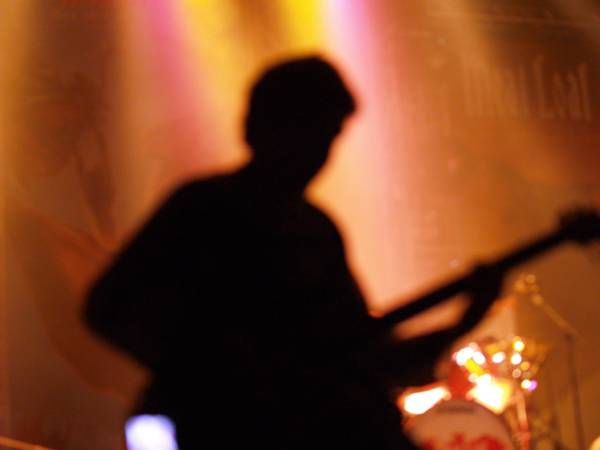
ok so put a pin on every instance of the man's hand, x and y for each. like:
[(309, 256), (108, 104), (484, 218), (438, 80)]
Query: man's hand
[(484, 289)]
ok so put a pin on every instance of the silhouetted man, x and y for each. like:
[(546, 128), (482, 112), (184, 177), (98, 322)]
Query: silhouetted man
[(238, 296)]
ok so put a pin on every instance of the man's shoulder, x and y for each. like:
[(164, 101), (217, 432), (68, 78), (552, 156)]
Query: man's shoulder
[(321, 217), (202, 194), (203, 187)]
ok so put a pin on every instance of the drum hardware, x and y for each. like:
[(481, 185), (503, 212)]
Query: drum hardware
[(496, 374), (528, 285), (505, 371)]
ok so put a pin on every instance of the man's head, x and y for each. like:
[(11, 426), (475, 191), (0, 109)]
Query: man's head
[(296, 109)]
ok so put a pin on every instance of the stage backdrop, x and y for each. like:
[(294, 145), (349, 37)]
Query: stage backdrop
[(477, 124)]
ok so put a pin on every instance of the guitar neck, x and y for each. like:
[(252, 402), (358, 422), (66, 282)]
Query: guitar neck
[(463, 283)]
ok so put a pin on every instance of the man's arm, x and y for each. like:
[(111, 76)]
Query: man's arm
[(131, 304), (412, 362)]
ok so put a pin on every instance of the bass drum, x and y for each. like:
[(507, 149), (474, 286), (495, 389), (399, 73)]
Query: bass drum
[(459, 425)]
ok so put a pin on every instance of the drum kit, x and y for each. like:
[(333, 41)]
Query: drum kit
[(483, 402)]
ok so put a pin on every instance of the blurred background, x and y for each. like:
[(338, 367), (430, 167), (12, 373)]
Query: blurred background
[(477, 125)]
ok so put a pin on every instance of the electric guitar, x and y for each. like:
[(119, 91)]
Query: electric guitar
[(581, 226)]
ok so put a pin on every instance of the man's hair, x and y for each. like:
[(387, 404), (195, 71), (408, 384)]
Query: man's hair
[(302, 91)]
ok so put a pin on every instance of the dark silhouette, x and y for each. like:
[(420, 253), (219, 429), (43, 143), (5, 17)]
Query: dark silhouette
[(238, 296)]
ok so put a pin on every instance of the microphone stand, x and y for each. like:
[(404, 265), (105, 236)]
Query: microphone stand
[(569, 334)]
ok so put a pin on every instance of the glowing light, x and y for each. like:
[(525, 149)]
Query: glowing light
[(537, 299), (473, 377), (517, 373), (463, 355), (474, 368), (484, 379), (525, 365), (303, 22), (479, 358), (530, 278), (516, 359), (518, 345), (492, 393), (529, 385), (498, 357), (420, 402), (149, 432)]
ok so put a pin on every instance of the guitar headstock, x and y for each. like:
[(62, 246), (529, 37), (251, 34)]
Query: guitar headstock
[(581, 225)]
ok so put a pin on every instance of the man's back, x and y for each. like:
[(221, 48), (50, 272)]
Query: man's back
[(255, 320)]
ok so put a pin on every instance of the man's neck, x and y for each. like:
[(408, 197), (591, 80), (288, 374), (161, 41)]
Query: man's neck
[(264, 181)]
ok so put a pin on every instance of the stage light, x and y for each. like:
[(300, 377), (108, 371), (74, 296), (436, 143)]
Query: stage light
[(498, 357), (529, 385), (516, 359), (463, 355), (150, 432), (479, 358), (518, 345), (420, 402), (471, 359), (484, 379)]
